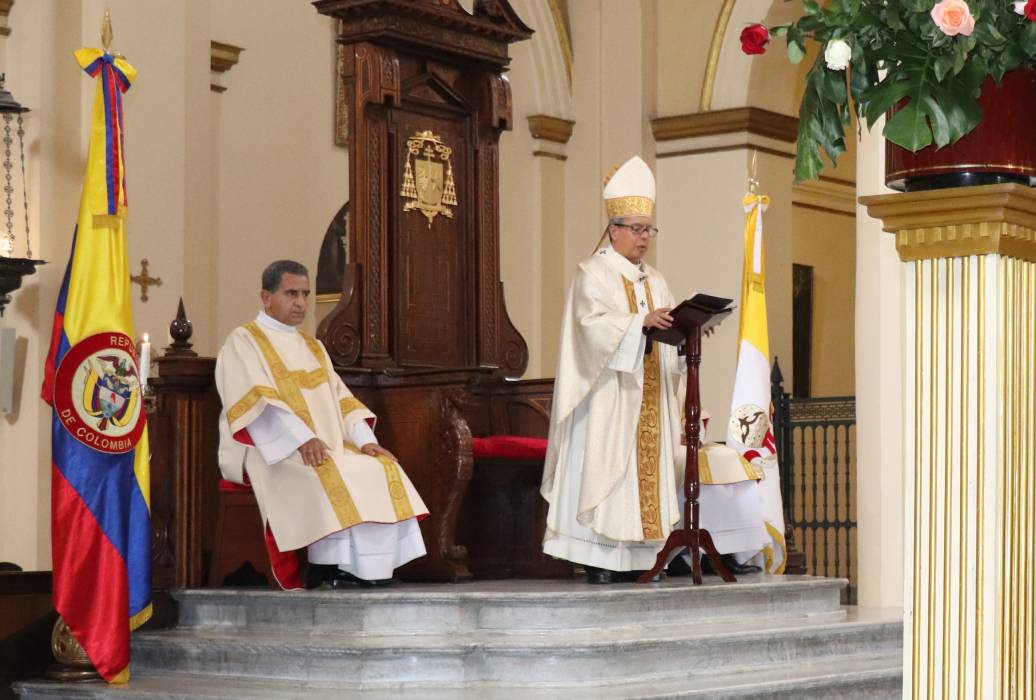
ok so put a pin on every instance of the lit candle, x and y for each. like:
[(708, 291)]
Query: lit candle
[(145, 360)]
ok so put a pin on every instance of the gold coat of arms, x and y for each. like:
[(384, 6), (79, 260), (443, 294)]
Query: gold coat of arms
[(424, 184)]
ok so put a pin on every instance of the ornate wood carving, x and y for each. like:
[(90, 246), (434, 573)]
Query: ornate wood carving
[(340, 330), (455, 464), (431, 289)]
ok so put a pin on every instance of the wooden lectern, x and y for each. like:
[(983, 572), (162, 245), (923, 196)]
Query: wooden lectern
[(690, 319)]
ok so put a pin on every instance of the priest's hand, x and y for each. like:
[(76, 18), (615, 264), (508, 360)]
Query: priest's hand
[(659, 318), (314, 452), (373, 449)]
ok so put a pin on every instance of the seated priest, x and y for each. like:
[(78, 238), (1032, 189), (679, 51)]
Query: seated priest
[(292, 429), (613, 476)]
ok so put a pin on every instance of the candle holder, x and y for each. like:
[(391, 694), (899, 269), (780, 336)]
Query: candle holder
[(13, 269)]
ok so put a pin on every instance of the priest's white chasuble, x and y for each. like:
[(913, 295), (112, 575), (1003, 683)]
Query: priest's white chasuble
[(357, 511), (613, 475)]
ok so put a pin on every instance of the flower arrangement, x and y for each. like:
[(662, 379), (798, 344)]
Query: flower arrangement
[(927, 57)]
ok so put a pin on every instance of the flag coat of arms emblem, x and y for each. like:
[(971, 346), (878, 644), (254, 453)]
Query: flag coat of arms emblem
[(100, 507)]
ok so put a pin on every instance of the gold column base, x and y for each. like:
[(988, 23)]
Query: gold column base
[(73, 665)]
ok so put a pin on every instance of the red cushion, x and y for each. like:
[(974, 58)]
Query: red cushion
[(226, 486), (509, 447)]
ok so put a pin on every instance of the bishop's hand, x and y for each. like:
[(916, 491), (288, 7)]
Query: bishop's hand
[(314, 452), (659, 318)]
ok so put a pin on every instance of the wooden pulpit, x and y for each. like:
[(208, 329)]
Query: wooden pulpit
[(690, 319), (421, 333)]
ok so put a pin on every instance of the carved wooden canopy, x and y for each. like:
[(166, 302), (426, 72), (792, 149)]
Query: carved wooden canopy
[(426, 102)]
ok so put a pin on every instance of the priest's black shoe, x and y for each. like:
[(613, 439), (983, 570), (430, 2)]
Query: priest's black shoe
[(657, 578), (738, 569), (316, 575), (732, 566), (678, 567), (343, 579), (595, 575)]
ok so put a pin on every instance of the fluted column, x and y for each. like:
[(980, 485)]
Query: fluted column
[(969, 266)]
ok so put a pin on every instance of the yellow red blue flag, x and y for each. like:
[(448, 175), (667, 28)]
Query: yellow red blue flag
[(100, 509)]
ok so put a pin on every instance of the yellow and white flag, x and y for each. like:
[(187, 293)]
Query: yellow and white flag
[(750, 430)]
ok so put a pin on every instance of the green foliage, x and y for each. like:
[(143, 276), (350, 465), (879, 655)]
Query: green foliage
[(901, 60)]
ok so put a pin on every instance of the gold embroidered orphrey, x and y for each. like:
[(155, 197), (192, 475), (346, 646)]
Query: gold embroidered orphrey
[(424, 185)]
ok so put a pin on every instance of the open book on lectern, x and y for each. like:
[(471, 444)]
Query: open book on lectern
[(704, 310)]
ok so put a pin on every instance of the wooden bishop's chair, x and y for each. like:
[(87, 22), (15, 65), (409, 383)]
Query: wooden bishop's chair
[(502, 541)]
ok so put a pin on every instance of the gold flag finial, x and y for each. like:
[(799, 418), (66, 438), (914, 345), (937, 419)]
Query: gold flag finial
[(753, 181), (106, 30)]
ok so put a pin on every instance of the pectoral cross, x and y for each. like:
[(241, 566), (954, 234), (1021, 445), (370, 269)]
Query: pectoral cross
[(145, 280), (643, 304)]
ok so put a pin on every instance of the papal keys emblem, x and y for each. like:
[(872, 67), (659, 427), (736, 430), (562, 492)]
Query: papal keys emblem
[(425, 187), (97, 393)]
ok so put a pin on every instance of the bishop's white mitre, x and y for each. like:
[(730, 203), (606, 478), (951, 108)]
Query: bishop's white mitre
[(630, 191)]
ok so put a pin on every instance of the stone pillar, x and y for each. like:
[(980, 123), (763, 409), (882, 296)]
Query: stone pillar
[(969, 309)]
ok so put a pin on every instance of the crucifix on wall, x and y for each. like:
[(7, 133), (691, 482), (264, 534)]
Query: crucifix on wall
[(145, 280)]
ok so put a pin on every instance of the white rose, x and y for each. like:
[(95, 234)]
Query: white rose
[(1019, 7), (837, 54)]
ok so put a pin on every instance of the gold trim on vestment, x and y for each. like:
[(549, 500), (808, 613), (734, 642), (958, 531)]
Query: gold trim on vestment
[(289, 388), (648, 432), (250, 399), (400, 501), (337, 493), (350, 404), (704, 468), (397, 491)]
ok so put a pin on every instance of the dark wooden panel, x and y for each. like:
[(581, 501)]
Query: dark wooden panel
[(431, 258), (184, 435), (26, 619)]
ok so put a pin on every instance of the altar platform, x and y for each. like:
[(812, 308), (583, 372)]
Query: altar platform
[(763, 637)]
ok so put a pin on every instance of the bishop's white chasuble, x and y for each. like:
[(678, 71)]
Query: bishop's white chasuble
[(611, 477), (278, 391)]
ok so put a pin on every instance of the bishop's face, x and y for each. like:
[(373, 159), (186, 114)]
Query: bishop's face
[(291, 300), (631, 238)]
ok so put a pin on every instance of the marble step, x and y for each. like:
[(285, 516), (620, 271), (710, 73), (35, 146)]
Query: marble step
[(509, 605), (845, 678), (572, 656)]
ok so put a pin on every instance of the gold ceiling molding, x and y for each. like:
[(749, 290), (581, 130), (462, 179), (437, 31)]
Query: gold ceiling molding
[(957, 222), (752, 120), (715, 47), (561, 25), (548, 128), (5, 10), (223, 58)]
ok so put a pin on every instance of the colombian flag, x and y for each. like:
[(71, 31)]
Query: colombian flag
[(100, 519), (750, 430)]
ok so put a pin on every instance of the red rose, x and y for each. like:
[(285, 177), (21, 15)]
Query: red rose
[(755, 37), (1030, 10)]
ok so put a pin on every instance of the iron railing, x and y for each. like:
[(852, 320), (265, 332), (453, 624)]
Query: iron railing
[(816, 449)]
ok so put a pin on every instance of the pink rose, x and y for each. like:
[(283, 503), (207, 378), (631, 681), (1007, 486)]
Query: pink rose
[(953, 17)]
